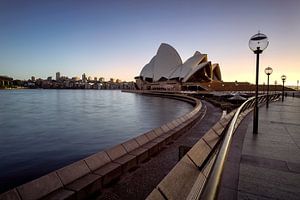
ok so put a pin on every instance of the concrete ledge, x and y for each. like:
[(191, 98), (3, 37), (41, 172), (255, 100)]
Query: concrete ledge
[(211, 138), (86, 186), (165, 128), (161, 141), (199, 152), (41, 187), (142, 139), (218, 128), (152, 147), (224, 121), (175, 123), (130, 145), (127, 162), (197, 187), (151, 135), (155, 195), (97, 160), (171, 126), (72, 172), (167, 137), (10, 195), (178, 183), (158, 131), (109, 172), (141, 154), (116, 152)]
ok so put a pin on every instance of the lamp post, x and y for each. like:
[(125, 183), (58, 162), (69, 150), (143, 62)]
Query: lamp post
[(283, 77), (268, 71), (257, 43)]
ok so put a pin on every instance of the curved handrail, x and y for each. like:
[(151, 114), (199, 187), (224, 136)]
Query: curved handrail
[(211, 187)]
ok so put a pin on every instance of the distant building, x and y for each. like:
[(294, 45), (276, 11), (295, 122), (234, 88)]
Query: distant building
[(5, 80), (89, 78), (33, 79), (118, 81), (57, 76), (49, 78), (76, 78), (83, 77), (95, 78), (101, 79), (111, 80), (64, 78)]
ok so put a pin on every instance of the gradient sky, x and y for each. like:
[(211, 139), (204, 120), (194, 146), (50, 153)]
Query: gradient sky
[(117, 38)]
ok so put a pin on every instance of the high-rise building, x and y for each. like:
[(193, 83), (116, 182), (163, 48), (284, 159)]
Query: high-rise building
[(33, 79), (49, 78), (57, 76), (83, 77)]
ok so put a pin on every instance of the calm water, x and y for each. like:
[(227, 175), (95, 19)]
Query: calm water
[(42, 130)]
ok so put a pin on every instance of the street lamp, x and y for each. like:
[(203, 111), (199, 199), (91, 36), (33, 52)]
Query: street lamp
[(257, 43), (283, 77), (268, 71)]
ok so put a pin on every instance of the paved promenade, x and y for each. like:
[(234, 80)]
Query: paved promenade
[(139, 183), (267, 165)]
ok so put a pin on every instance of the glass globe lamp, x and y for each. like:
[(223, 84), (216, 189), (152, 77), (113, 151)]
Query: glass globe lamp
[(258, 43), (268, 70)]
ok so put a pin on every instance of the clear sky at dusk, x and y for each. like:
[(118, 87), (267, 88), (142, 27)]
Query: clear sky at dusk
[(117, 38)]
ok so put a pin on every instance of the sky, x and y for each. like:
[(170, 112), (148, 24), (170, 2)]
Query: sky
[(117, 38)]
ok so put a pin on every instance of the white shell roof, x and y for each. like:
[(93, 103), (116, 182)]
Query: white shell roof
[(189, 65), (216, 71), (168, 64), (147, 70), (166, 60), (194, 70)]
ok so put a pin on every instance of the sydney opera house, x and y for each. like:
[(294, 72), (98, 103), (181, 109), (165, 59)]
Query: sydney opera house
[(166, 71)]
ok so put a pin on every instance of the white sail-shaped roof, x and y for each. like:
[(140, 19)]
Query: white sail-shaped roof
[(188, 66), (216, 72), (167, 64), (147, 71), (194, 70), (166, 60)]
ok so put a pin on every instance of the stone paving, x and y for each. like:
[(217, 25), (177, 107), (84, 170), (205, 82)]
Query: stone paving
[(267, 165), (139, 183)]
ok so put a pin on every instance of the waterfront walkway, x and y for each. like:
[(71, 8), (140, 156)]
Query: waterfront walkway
[(139, 183), (267, 165)]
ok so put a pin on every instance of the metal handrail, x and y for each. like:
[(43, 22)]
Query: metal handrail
[(211, 187)]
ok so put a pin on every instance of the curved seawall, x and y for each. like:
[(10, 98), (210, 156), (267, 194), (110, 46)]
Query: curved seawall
[(90, 174)]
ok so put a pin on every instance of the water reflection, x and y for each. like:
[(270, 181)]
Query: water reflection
[(42, 130)]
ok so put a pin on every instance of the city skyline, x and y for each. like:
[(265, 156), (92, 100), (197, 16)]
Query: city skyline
[(116, 39)]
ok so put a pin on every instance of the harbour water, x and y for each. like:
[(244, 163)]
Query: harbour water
[(43, 130)]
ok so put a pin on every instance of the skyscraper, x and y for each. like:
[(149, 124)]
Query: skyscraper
[(83, 77), (57, 76)]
